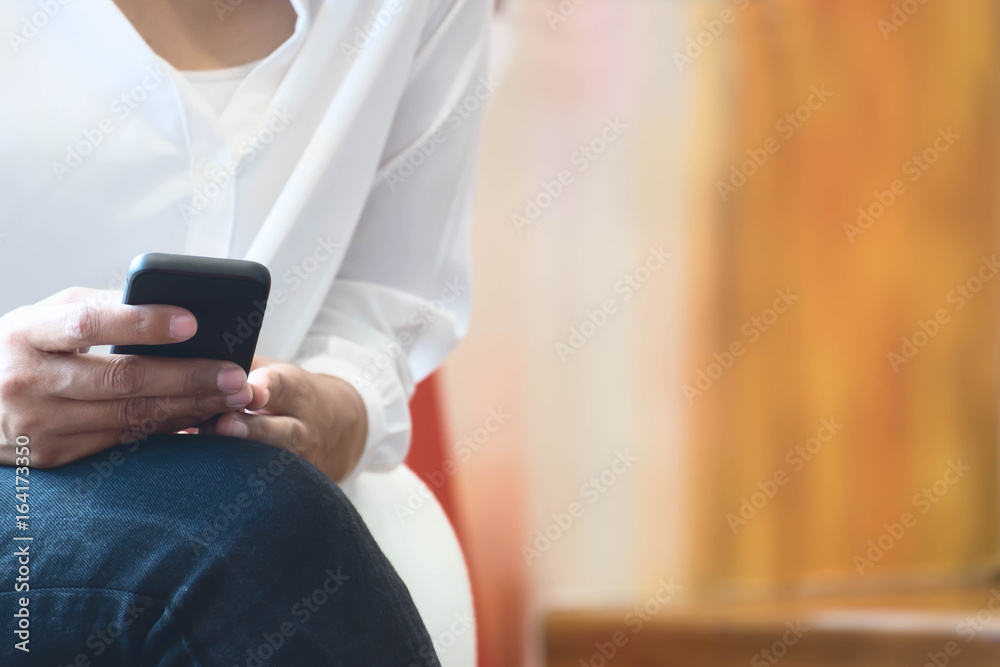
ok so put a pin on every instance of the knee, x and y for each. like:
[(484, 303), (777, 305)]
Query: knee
[(212, 492), (243, 497), (189, 504)]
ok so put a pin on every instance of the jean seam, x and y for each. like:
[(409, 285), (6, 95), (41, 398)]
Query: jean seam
[(98, 589)]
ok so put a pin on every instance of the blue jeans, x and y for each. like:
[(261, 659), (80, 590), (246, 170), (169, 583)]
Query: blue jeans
[(198, 550)]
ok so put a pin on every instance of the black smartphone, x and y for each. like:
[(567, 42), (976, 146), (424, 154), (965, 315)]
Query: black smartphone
[(228, 297)]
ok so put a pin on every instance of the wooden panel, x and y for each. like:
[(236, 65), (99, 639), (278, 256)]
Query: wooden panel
[(904, 631), (858, 289)]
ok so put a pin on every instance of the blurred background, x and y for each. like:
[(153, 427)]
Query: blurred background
[(730, 391)]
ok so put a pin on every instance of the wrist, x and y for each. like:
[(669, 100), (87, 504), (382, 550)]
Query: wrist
[(348, 424)]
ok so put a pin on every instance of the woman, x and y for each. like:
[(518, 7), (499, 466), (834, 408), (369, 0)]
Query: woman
[(333, 141)]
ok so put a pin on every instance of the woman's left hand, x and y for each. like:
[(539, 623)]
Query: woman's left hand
[(319, 417)]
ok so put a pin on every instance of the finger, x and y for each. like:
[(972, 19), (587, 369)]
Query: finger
[(60, 450), (281, 431), (261, 361), (81, 445), (79, 294), (68, 327), (74, 446), (69, 447), (260, 381), (170, 426), (143, 412), (89, 377), (276, 389)]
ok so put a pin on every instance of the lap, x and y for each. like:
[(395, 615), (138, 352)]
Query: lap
[(181, 498), (208, 547)]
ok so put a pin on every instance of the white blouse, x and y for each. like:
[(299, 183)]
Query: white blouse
[(218, 86), (345, 162)]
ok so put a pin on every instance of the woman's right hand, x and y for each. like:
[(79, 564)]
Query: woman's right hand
[(71, 404)]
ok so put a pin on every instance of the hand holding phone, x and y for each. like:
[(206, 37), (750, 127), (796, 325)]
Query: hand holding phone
[(228, 297), (69, 404)]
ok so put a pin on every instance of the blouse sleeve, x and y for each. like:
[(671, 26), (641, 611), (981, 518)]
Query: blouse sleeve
[(401, 299)]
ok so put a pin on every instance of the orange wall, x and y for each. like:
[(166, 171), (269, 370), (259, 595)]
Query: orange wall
[(860, 286)]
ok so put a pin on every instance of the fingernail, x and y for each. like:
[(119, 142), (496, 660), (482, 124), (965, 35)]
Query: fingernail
[(241, 398), (183, 326), (232, 379), (238, 428)]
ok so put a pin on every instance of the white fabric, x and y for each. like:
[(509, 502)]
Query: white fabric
[(218, 86), (421, 545), (344, 161), (106, 152)]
